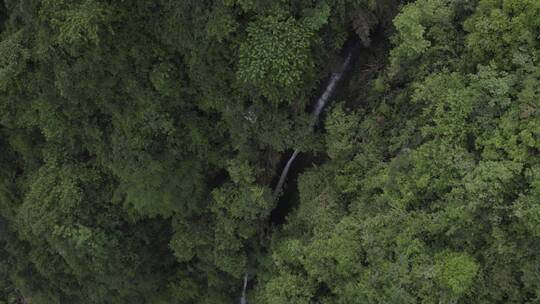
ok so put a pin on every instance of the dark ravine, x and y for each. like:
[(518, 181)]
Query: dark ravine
[(289, 197), (283, 207), (319, 106)]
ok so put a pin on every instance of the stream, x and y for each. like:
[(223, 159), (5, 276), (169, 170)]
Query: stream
[(326, 95), (294, 163)]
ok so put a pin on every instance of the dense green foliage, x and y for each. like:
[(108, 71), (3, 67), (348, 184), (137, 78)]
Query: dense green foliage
[(140, 141)]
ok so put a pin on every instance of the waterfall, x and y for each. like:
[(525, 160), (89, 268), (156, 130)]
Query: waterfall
[(319, 106)]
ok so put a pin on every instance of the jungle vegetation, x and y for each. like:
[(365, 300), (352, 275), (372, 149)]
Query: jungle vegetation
[(141, 141)]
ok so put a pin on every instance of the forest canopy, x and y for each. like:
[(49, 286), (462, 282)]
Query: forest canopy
[(141, 143)]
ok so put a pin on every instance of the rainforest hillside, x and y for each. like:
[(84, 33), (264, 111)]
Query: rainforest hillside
[(172, 152)]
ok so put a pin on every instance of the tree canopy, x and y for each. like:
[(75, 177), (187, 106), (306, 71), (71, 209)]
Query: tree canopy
[(140, 142)]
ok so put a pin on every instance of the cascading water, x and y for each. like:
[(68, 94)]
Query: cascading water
[(319, 106)]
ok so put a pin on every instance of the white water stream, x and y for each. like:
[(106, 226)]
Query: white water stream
[(319, 106)]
